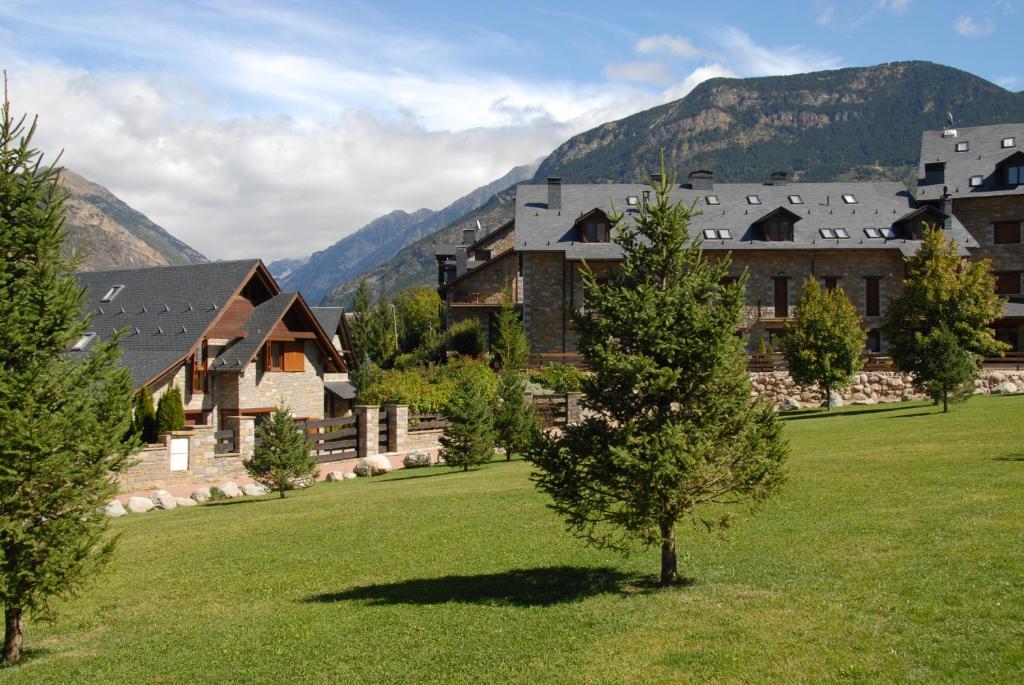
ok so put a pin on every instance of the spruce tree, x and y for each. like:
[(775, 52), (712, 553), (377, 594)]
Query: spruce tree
[(144, 421), (672, 432), (170, 411), (510, 349), (942, 291), (468, 439), (65, 417), (515, 421), (823, 343), (373, 327), (282, 456)]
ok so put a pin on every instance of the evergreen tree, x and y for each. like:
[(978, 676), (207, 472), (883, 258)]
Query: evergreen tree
[(942, 292), (365, 375), (468, 439), (419, 316), (282, 456), (672, 430), (949, 369), (467, 338), (511, 349), (65, 417), (170, 411), (515, 421), (144, 421), (373, 327), (823, 343)]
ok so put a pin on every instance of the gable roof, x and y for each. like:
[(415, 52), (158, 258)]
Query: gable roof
[(164, 310), (329, 318), (539, 229), (985, 152)]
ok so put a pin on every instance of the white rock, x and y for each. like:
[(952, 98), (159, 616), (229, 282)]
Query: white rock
[(114, 509), (140, 505), (185, 501), (335, 476), (350, 476), (230, 489), (303, 483), (374, 465), (416, 459), (1005, 388), (201, 495), (837, 401), (162, 499), (790, 404), (866, 400), (254, 489)]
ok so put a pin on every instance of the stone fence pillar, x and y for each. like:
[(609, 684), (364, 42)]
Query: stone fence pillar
[(367, 419), (573, 409), (244, 428), (398, 427)]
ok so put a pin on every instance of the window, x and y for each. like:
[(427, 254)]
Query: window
[(274, 356), (753, 199), (963, 146), (712, 199), (1008, 282), (632, 200), (717, 234), (842, 233), (889, 233), (795, 200), (199, 366), (1014, 175), (1010, 336), (284, 356), (975, 181), (872, 233), (1006, 232), (710, 233), (81, 343), (781, 296), (849, 199), (831, 282), (934, 172), (873, 343), (827, 233), (594, 231), (778, 230), (725, 234), (1009, 142), (112, 293), (872, 301)]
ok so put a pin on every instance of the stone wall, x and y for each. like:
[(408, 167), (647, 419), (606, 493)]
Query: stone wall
[(486, 283), (153, 470), (303, 392), (544, 294)]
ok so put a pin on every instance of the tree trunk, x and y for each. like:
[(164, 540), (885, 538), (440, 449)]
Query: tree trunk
[(669, 571), (281, 490), (465, 467), (945, 403), (14, 634), (828, 399)]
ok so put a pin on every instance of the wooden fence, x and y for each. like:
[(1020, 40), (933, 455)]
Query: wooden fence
[(334, 439), (552, 410), (426, 422)]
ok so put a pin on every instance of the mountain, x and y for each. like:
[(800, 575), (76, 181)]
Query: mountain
[(282, 268), (379, 240), (848, 124), (111, 235)]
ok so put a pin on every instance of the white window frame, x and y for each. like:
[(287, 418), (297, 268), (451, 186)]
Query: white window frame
[(83, 342), (849, 199), (963, 146), (975, 181), (712, 200), (753, 199)]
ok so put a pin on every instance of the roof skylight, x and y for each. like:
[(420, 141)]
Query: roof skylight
[(1009, 142), (975, 181), (842, 233), (872, 233), (112, 293), (889, 233), (710, 233), (849, 199), (725, 234), (795, 200), (963, 146), (711, 199), (827, 233), (82, 342), (753, 199), (632, 200)]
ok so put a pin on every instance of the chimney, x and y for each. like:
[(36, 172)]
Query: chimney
[(777, 178), (468, 236), (947, 208), (460, 260), (554, 192), (702, 179), (655, 178)]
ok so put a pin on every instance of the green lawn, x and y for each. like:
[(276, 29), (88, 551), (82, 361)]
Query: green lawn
[(894, 554)]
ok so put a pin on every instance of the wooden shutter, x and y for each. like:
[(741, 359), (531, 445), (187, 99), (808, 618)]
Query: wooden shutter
[(781, 297), (872, 305), (1007, 232), (294, 356)]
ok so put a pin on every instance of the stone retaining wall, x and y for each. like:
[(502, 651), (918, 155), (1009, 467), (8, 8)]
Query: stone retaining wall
[(153, 470)]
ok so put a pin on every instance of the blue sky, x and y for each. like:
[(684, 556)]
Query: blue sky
[(273, 129)]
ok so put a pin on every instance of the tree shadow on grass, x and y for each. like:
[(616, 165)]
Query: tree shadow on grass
[(822, 414), (518, 587), (1009, 457)]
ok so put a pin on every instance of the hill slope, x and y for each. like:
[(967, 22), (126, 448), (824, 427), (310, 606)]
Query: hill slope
[(859, 123), (111, 235), (381, 239)]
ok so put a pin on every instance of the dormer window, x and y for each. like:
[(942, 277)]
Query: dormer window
[(83, 342), (712, 199), (112, 293), (777, 225), (963, 146), (849, 199), (753, 199), (934, 172), (1015, 175), (594, 227), (1008, 142)]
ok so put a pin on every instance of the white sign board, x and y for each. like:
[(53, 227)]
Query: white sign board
[(179, 454)]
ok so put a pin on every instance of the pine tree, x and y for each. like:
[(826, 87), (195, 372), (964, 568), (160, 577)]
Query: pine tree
[(942, 292), (515, 421), (170, 411), (468, 439), (511, 349), (65, 417), (144, 421), (672, 429), (373, 327), (282, 456), (365, 375), (823, 343)]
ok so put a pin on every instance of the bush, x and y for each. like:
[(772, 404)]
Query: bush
[(559, 378), (467, 338), (170, 411), (419, 388), (144, 420)]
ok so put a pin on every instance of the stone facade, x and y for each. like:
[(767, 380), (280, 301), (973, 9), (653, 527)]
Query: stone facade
[(303, 392), (205, 465)]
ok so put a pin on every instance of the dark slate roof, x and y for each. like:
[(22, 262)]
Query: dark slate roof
[(878, 205), (329, 318), (236, 356), (342, 389), (1014, 307), (984, 153), (165, 309)]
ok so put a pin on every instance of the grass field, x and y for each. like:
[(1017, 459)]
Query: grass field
[(894, 554)]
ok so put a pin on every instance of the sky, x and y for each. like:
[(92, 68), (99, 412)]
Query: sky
[(272, 129)]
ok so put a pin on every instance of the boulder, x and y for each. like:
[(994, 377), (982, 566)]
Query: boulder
[(185, 501), (114, 509), (201, 495), (865, 401), (1005, 388), (350, 476), (858, 397), (417, 459), (837, 401), (335, 476), (230, 489), (162, 499), (374, 465), (140, 505), (303, 482), (254, 489), (790, 404)]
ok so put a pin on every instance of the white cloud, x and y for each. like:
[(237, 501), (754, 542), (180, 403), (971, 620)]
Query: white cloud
[(750, 59), (966, 26), (657, 73), (894, 6), (676, 46), (696, 77)]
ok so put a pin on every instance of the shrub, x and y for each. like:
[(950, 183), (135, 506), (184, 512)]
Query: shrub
[(144, 419), (419, 388), (467, 338), (170, 411), (559, 378)]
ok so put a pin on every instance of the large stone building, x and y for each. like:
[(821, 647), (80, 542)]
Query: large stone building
[(852, 235)]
